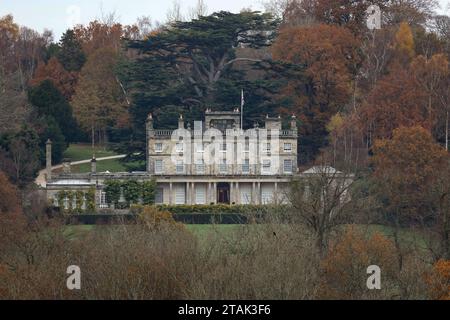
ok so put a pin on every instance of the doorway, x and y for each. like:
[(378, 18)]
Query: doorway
[(223, 193)]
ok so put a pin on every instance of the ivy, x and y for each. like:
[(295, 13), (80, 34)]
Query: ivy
[(133, 191), (75, 201), (148, 192), (113, 190)]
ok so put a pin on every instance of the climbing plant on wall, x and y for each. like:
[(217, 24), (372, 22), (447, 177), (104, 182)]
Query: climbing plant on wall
[(148, 192), (133, 192)]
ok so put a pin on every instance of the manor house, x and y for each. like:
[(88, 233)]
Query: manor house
[(213, 161)]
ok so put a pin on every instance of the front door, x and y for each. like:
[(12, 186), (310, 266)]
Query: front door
[(223, 193)]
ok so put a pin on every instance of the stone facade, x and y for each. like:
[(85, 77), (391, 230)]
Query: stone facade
[(185, 177)]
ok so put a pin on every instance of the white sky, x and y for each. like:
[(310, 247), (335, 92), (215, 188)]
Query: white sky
[(58, 15)]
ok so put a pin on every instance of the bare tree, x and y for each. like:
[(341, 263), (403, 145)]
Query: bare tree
[(200, 10), (174, 14), (321, 201)]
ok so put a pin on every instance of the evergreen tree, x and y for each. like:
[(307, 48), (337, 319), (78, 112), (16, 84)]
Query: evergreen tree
[(51, 103), (70, 53), (189, 66)]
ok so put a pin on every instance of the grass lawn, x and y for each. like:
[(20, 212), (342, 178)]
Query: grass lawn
[(79, 152), (102, 166)]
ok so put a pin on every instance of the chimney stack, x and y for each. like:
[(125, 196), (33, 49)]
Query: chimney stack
[(93, 166), (294, 123), (48, 159), (181, 122)]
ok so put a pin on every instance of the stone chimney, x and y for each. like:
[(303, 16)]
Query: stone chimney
[(93, 166), (149, 122), (48, 159), (181, 122), (294, 123)]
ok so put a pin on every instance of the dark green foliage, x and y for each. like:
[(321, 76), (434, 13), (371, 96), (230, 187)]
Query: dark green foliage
[(53, 132), (113, 189), (50, 103), (20, 154), (70, 53), (131, 191), (134, 192), (148, 192), (190, 66), (223, 209)]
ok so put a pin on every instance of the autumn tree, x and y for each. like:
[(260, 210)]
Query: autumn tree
[(99, 102), (438, 281), (431, 74), (64, 80), (331, 59), (407, 167), (100, 35), (348, 13), (345, 266)]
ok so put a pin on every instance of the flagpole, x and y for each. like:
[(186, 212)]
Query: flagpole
[(242, 109)]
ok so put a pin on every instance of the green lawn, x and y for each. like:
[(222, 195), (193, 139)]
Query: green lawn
[(102, 166), (79, 152)]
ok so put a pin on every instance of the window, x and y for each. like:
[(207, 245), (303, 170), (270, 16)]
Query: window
[(287, 168), (158, 147), (288, 147), (246, 166), (159, 166), (159, 196), (247, 145), (179, 147), (223, 147), (266, 166), (180, 167), (223, 166), (200, 166), (267, 147), (103, 203)]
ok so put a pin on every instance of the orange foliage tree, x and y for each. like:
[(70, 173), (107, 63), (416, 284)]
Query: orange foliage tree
[(407, 166), (331, 58), (345, 267), (438, 281), (64, 80)]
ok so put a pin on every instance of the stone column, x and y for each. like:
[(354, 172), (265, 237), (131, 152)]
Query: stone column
[(193, 200), (93, 166), (275, 194), (48, 159), (232, 193), (258, 196), (253, 193), (214, 192), (188, 193), (171, 197)]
